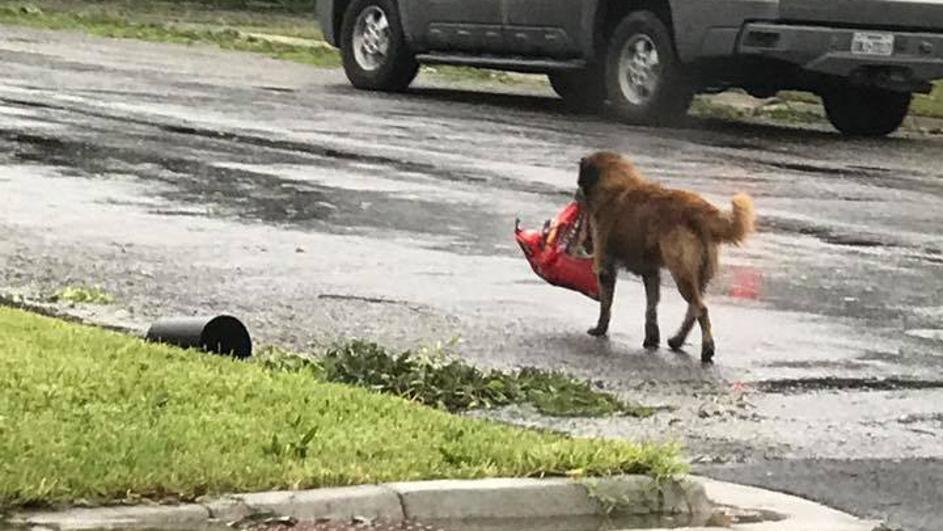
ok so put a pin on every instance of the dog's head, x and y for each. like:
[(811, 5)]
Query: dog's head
[(596, 169)]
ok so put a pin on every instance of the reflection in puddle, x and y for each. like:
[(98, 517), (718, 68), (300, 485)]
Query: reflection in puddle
[(746, 282)]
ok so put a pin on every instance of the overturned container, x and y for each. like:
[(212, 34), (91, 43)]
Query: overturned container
[(221, 334)]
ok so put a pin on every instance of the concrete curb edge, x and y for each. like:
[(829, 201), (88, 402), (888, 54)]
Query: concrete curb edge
[(53, 311), (440, 500), (445, 500)]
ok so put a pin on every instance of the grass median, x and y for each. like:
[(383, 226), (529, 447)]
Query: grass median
[(288, 36), (96, 417)]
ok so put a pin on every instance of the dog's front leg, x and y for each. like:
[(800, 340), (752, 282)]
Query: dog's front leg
[(652, 295), (606, 276)]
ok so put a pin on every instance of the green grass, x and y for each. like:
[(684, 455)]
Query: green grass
[(304, 6), (83, 294), (92, 415), (264, 6), (191, 24), (462, 73), (298, 23), (929, 104), (787, 111), (799, 96), (283, 31), (702, 107)]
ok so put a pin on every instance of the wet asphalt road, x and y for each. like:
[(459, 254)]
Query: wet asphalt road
[(188, 180)]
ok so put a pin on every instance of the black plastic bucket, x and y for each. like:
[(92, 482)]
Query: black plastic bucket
[(222, 334)]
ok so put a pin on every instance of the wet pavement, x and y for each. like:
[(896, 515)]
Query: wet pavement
[(487, 524), (334, 525), (189, 180)]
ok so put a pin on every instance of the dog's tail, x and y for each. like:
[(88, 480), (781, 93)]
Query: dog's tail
[(736, 225)]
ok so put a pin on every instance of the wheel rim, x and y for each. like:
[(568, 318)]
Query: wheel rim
[(371, 38), (639, 69)]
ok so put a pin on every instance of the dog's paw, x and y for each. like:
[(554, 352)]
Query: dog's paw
[(676, 343), (597, 331), (707, 353), (652, 337)]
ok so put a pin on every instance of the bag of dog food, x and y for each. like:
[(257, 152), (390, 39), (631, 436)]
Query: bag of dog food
[(561, 253)]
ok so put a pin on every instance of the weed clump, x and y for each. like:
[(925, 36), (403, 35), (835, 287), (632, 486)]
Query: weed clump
[(434, 377), (83, 294)]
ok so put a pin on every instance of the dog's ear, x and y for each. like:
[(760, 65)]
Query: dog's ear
[(589, 175)]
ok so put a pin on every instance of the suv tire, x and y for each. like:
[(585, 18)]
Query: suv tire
[(866, 111), (645, 82), (582, 90), (373, 49)]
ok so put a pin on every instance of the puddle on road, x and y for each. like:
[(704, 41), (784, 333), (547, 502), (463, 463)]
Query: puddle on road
[(319, 193)]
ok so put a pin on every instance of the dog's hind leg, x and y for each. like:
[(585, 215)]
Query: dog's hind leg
[(680, 255), (707, 337), (684, 255), (690, 295), (652, 295), (708, 267), (697, 311)]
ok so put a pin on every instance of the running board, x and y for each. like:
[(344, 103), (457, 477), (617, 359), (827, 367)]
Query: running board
[(514, 64)]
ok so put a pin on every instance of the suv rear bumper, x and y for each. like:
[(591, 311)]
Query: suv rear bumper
[(917, 57)]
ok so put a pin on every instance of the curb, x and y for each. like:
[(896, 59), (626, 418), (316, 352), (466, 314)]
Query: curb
[(693, 499), (549, 498), (430, 501), (54, 311)]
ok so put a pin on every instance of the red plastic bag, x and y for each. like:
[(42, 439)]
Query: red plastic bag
[(558, 253)]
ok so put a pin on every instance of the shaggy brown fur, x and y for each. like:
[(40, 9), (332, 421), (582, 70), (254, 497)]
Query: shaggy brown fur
[(643, 227)]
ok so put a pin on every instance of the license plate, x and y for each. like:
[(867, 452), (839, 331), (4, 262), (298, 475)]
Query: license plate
[(864, 43)]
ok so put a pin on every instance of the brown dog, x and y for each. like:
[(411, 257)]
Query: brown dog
[(644, 227)]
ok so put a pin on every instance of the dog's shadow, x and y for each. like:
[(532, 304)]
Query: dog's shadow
[(624, 354)]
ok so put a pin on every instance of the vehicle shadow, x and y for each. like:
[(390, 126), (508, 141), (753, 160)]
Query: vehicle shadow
[(693, 128), (555, 107), (501, 100)]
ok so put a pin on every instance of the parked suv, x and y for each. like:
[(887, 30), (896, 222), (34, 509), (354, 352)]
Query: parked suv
[(647, 58)]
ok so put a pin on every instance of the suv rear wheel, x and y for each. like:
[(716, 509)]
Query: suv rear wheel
[(865, 111), (373, 49), (581, 89), (645, 82)]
